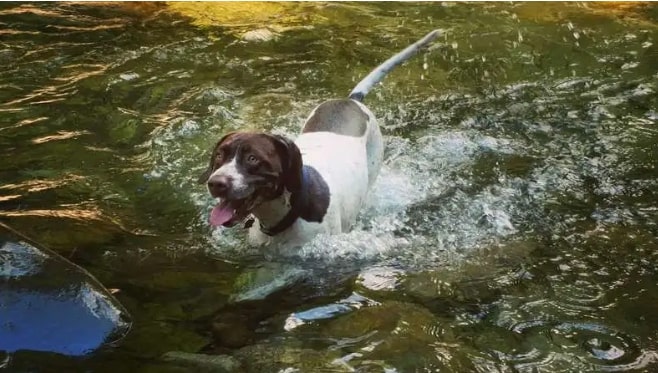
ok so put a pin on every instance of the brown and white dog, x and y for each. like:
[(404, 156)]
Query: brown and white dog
[(317, 184)]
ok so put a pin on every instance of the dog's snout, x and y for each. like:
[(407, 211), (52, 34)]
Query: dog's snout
[(218, 185)]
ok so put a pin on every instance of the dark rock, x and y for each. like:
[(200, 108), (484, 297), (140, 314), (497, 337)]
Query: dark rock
[(49, 304), (232, 330)]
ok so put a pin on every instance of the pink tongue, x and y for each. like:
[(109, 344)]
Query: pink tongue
[(220, 214)]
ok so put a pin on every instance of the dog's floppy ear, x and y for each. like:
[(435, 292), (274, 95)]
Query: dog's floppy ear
[(291, 161), (206, 174)]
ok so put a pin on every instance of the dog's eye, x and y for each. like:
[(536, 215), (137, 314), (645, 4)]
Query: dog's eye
[(251, 159)]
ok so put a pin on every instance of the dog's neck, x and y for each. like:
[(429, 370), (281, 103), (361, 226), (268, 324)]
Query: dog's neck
[(279, 214), (269, 213)]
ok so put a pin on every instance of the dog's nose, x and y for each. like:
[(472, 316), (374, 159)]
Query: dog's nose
[(218, 185)]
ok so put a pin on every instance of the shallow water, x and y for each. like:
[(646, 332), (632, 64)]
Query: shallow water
[(513, 227)]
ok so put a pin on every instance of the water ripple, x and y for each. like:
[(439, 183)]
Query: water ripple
[(577, 345)]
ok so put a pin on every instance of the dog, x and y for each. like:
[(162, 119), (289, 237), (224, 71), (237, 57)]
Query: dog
[(317, 184)]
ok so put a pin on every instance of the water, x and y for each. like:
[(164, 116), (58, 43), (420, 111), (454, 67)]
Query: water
[(513, 227)]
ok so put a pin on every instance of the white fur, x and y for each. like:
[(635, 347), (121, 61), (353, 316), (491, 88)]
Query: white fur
[(271, 212), (343, 163), (230, 170)]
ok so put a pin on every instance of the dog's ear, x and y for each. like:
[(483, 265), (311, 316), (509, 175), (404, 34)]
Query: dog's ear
[(203, 178), (291, 162)]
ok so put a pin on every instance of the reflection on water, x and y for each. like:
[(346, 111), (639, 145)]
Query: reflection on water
[(61, 135), (512, 227), (33, 186)]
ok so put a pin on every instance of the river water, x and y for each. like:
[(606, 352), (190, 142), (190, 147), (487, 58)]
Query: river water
[(512, 229)]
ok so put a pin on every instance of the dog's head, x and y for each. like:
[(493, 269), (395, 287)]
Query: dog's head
[(247, 169)]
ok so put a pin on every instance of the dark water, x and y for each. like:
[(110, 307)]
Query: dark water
[(512, 229)]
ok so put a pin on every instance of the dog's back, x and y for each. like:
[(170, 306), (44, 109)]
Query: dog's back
[(350, 118)]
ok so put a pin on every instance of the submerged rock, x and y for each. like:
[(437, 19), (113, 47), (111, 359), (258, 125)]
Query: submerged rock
[(343, 306), (261, 282), (261, 34), (203, 362), (50, 304), (288, 356)]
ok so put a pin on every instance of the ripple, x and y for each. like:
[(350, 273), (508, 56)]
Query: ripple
[(61, 135), (601, 344), (581, 345), (579, 297), (380, 278), (77, 213)]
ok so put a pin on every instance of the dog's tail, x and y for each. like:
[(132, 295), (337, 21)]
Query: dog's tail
[(377, 75)]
